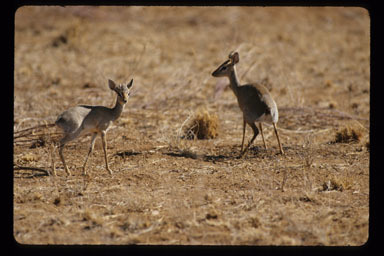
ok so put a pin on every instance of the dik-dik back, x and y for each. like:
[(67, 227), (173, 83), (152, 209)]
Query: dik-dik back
[(257, 104)]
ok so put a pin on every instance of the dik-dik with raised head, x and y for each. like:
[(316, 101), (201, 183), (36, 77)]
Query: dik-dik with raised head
[(254, 100)]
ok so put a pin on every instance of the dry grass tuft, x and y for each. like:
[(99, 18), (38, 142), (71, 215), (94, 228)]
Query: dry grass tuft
[(203, 126), (337, 183), (41, 141), (348, 135), (332, 184)]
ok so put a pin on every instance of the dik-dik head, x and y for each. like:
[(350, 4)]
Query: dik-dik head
[(123, 91), (227, 67)]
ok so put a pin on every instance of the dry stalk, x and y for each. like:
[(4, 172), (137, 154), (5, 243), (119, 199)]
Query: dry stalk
[(17, 167), (285, 177), (31, 130)]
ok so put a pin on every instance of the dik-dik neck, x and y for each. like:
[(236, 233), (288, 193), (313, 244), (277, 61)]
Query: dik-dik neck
[(233, 81), (117, 109)]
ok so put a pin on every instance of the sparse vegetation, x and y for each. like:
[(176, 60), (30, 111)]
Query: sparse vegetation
[(169, 190)]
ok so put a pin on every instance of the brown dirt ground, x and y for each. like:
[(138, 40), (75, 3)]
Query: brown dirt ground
[(168, 190)]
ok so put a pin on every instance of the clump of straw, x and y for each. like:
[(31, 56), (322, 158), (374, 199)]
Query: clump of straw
[(203, 126)]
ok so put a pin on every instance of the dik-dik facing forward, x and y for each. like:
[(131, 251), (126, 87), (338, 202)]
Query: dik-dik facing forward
[(254, 101), (84, 119)]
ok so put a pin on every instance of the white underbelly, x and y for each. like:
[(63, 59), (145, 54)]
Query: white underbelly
[(92, 128), (251, 118)]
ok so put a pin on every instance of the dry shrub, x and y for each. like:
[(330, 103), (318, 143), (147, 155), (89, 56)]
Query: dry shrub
[(93, 217), (348, 135), (203, 126), (337, 183), (332, 184), (41, 141)]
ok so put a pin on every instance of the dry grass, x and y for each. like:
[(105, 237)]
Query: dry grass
[(168, 190), (203, 126), (347, 135)]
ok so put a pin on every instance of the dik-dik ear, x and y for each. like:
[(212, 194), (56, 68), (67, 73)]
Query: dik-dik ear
[(234, 57), (129, 85), (111, 84)]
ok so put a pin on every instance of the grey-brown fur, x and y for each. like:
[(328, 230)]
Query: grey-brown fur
[(254, 100), (84, 119)]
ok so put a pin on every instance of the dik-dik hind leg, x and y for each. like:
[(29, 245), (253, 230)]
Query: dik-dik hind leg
[(262, 134), (52, 148), (242, 142), (278, 139), (104, 140), (255, 133), (61, 147), (89, 152), (68, 137)]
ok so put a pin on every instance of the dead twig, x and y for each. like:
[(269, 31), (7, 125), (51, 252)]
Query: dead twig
[(30, 131), (285, 176), (45, 172)]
